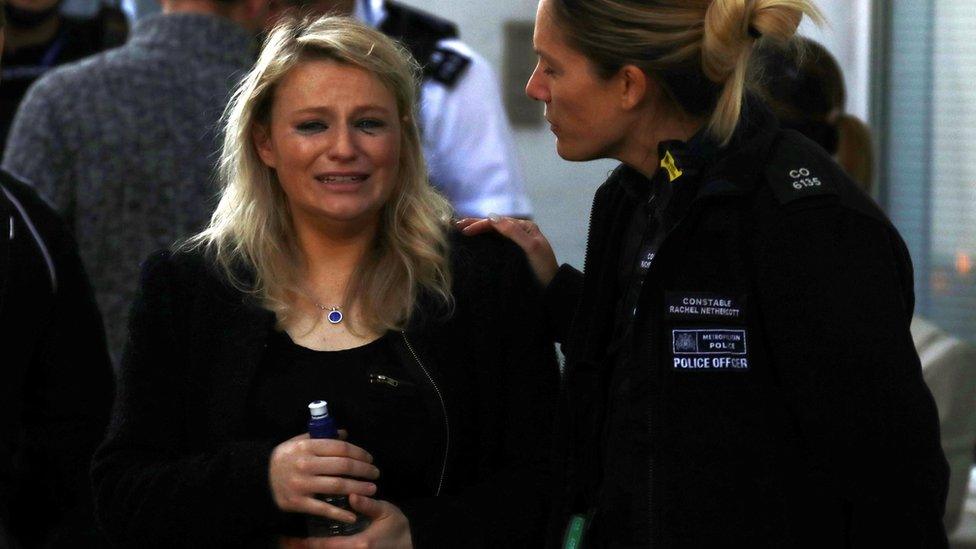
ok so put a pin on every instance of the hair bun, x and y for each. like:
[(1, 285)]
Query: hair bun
[(733, 26), (778, 19), (731, 29), (726, 37)]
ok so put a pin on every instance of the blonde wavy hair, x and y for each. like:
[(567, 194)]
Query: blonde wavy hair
[(697, 49), (251, 227)]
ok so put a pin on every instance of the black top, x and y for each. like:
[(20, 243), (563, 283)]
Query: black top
[(774, 397), (178, 441), (370, 394)]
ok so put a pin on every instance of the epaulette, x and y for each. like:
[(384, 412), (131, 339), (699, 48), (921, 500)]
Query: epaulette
[(421, 33), (446, 66), (798, 169)]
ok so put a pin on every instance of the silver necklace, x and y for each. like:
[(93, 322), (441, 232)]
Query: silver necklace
[(335, 312)]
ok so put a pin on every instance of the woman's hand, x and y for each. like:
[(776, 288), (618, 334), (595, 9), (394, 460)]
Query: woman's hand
[(525, 234), (302, 467), (388, 529)]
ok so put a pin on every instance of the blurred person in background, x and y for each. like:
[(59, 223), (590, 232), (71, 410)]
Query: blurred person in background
[(330, 271), (739, 365), (55, 376), (467, 138), (124, 143), (804, 86), (40, 37)]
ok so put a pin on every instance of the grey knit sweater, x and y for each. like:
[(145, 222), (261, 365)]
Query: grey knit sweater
[(124, 145)]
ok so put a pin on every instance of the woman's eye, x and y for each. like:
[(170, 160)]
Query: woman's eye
[(370, 124), (310, 127), (548, 71)]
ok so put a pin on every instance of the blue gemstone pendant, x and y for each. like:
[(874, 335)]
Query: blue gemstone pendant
[(335, 316)]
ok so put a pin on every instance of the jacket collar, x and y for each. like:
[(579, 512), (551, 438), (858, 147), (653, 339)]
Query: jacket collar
[(736, 168), (712, 169)]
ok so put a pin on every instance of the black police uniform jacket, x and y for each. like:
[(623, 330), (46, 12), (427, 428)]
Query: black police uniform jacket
[(772, 395)]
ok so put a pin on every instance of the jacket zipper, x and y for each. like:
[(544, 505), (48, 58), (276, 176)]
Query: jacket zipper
[(440, 398), (386, 380), (573, 427), (650, 419), (650, 409), (653, 403), (662, 225)]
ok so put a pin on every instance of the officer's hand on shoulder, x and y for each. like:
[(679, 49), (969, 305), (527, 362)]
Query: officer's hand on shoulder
[(524, 233)]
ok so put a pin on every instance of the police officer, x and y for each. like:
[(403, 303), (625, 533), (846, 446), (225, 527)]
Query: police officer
[(739, 367), (466, 137)]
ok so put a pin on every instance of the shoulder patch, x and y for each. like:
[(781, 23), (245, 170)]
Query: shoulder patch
[(422, 33), (796, 172), (446, 66)]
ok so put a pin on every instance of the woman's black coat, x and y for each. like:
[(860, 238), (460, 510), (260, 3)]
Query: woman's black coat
[(179, 469), (55, 376)]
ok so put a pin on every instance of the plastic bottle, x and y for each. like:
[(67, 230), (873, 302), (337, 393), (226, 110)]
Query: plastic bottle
[(321, 425)]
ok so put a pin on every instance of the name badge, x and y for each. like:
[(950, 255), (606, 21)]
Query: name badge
[(710, 349), (707, 307)]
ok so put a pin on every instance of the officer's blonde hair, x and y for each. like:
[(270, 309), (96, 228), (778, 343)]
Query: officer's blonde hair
[(698, 50), (251, 226)]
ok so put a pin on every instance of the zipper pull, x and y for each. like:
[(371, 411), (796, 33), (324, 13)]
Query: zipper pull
[(387, 380)]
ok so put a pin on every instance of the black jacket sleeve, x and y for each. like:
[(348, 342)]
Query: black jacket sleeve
[(67, 380), (152, 488), (561, 298), (507, 505), (835, 292)]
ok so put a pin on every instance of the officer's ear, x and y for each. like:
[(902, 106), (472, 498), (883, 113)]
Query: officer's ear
[(633, 86)]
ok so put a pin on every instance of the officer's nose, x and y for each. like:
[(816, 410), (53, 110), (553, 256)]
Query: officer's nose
[(535, 87)]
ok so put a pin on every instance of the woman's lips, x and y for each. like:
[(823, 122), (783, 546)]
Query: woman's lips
[(342, 182), (341, 178)]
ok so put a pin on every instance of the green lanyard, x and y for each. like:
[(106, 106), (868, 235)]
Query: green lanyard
[(574, 532)]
